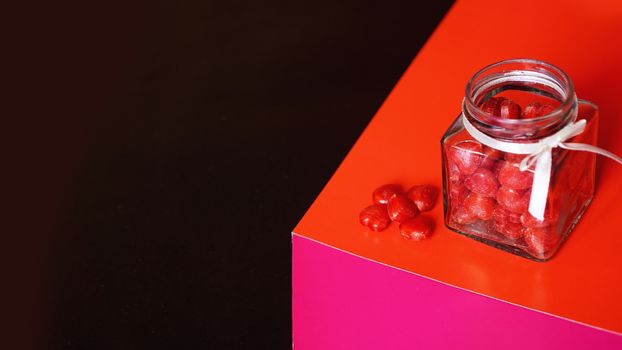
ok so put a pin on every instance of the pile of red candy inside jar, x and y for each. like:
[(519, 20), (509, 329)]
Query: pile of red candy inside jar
[(488, 195)]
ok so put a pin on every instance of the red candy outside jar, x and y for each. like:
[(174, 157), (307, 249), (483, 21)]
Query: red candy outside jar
[(486, 193), (382, 194), (417, 229), (401, 208), (424, 196), (375, 217)]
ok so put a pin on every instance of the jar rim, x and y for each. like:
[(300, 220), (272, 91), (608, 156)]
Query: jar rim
[(559, 111)]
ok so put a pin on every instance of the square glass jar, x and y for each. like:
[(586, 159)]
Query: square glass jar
[(487, 192)]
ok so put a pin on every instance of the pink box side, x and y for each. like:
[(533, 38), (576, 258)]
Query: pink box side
[(341, 301)]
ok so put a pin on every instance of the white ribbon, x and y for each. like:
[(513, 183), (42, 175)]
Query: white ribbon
[(540, 155)]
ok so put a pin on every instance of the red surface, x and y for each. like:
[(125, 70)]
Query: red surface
[(401, 145)]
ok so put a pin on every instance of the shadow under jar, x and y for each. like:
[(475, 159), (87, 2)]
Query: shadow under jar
[(486, 195)]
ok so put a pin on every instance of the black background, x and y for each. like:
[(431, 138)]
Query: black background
[(168, 150)]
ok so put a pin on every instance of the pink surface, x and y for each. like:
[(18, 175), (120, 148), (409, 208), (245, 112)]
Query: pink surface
[(341, 301)]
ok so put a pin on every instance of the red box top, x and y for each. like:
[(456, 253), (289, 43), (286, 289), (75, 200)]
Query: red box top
[(583, 282)]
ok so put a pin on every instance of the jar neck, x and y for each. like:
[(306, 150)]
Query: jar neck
[(525, 75)]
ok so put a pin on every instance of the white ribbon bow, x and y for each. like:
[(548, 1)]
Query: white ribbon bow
[(540, 155)]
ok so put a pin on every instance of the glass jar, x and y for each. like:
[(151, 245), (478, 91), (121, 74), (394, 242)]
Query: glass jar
[(489, 193)]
